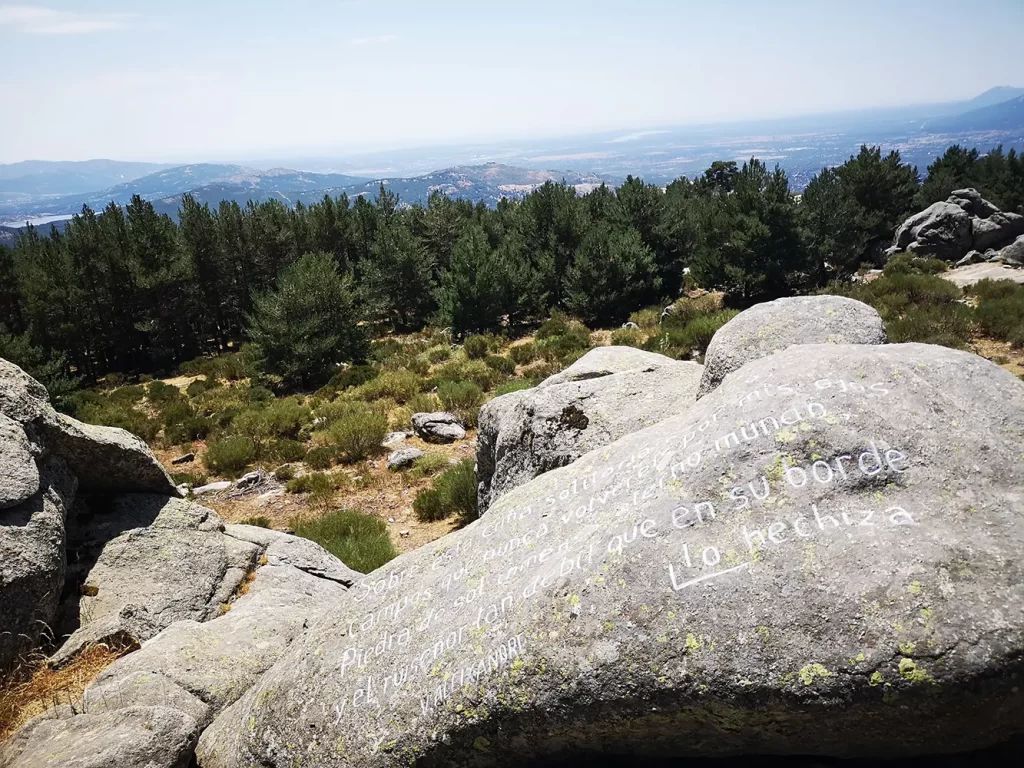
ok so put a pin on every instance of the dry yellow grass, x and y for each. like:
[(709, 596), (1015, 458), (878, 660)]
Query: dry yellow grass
[(33, 686)]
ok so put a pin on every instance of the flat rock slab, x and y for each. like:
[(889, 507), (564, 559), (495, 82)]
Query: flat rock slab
[(134, 737), (822, 557), (439, 427), (405, 457), (969, 275)]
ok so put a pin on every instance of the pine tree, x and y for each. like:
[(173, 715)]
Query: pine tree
[(398, 276), (307, 325)]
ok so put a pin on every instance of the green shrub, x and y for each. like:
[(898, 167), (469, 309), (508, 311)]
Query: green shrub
[(199, 386), (476, 347), (459, 395), (284, 473), (229, 456), (359, 434), (287, 450), (260, 521), (573, 341), (112, 414), (360, 541), (1003, 318), (703, 328), (314, 482), (115, 379), (400, 386), (424, 402), (127, 395), (188, 430), (908, 264), (322, 457), (556, 325), (430, 506), (685, 310), (524, 353), (500, 364), (429, 464), (694, 337), (648, 319), (382, 349), (419, 365), (989, 289), (453, 492), (161, 394), (439, 354), (949, 325), (193, 479), (514, 386), (628, 337)]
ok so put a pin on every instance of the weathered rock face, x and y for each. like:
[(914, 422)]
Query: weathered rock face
[(949, 230), (133, 737), (1014, 252), (32, 561), (440, 427), (149, 561), (823, 556), (607, 393), (771, 327), (17, 464), (402, 458)]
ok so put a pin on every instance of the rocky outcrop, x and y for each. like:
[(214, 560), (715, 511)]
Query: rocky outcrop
[(17, 464), (607, 393), (949, 230), (32, 561), (821, 545), (776, 325), (440, 427), (403, 457), (144, 562)]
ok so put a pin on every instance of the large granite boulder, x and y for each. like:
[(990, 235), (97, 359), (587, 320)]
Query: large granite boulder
[(773, 326), (607, 393), (438, 427), (17, 464), (143, 562), (949, 230), (1014, 252), (822, 557), (22, 398), (32, 561)]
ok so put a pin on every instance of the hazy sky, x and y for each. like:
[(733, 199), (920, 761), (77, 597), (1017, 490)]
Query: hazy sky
[(187, 80)]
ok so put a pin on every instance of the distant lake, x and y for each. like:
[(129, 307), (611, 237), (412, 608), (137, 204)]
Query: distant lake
[(38, 220)]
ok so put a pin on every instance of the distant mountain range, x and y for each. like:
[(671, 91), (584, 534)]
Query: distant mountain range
[(35, 178), (42, 191), (1004, 116)]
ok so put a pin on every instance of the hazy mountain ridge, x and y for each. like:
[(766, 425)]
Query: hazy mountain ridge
[(33, 178), (1006, 115)]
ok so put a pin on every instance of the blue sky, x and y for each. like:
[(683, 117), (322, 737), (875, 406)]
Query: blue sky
[(185, 80)]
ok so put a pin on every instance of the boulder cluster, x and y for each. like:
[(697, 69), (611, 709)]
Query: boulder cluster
[(810, 545), (965, 229)]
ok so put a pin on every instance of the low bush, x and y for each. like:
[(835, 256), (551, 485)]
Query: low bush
[(429, 464), (453, 493), (459, 395), (439, 354), (260, 521), (949, 325), (193, 479), (199, 386), (313, 482), (628, 337), (160, 394), (353, 376), (187, 430), (476, 347), (322, 457), (359, 434), (424, 402), (229, 456), (1000, 313), (648, 318), (400, 386), (287, 450), (514, 386), (574, 340), (284, 473), (360, 541), (685, 310), (986, 289), (98, 410), (500, 364), (524, 353), (127, 395), (908, 264)]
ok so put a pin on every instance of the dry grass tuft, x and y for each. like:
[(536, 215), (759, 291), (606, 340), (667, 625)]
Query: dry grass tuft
[(33, 686)]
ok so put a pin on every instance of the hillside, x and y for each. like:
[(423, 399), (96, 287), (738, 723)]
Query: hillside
[(32, 178), (1004, 116)]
